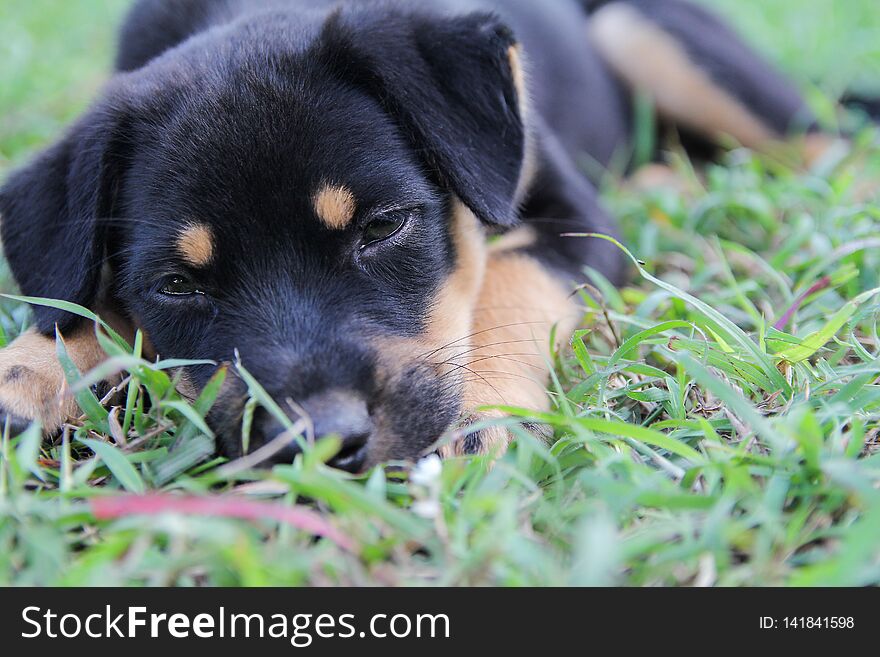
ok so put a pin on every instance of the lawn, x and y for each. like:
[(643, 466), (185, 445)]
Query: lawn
[(716, 421)]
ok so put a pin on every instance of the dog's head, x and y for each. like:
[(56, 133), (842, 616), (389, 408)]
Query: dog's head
[(314, 198)]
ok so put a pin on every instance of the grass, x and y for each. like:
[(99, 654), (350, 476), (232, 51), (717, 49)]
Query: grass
[(715, 424)]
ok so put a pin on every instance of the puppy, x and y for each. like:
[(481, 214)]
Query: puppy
[(366, 200)]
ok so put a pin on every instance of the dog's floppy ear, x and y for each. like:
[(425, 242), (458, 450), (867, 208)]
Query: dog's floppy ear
[(454, 84), (51, 216)]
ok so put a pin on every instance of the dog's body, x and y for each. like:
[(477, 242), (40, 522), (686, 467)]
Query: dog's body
[(312, 183)]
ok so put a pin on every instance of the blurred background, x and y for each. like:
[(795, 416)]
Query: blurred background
[(55, 55)]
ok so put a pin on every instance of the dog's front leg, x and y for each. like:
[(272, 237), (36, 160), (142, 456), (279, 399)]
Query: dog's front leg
[(508, 360)]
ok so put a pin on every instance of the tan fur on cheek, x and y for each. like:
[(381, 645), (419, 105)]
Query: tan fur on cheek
[(335, 206), (651, 60), (195, 243), (32, 384)]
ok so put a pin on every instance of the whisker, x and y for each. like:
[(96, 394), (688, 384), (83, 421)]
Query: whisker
[(508, 357), (479, 377), (500, 376), (491, 344), (475, 334), (491, 373)]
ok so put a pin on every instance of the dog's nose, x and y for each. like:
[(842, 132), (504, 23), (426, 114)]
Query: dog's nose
[(332, 413), (343, 414)]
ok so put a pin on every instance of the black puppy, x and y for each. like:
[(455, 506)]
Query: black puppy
[(313, 182)]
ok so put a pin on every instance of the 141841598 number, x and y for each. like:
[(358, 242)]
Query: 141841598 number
[(818, 622)]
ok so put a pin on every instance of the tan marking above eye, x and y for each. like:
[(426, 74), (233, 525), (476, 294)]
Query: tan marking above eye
[(195, 243), (335, 206)]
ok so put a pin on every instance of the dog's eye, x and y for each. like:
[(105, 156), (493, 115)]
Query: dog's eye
[(179, 286), (381, 228)]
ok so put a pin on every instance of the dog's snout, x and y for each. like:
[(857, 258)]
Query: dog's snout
[(342, 414)]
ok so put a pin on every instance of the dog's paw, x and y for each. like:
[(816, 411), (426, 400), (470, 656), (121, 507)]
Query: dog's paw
[(473, 437), (486, 434), (28, 394), (32, 385)]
